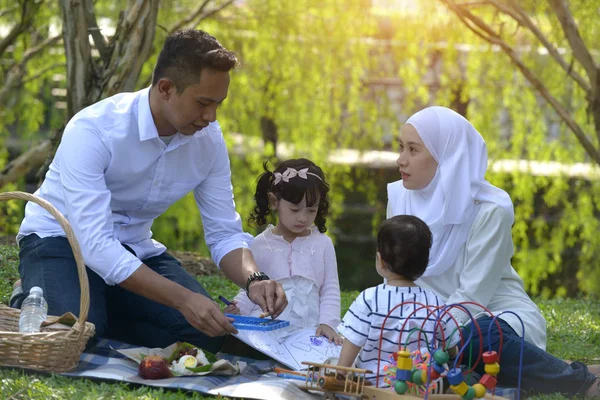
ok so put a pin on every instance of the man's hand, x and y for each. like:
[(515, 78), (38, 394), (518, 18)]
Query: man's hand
[(200, 311), (329, 333), (204, 314), (269, 295)]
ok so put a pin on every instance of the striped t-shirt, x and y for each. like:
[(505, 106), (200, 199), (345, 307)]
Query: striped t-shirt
[(362, 324)]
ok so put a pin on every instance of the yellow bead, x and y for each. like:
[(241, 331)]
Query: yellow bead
[(404, 362), (479, 390), (460, 389), (424, 376), (492, 369)]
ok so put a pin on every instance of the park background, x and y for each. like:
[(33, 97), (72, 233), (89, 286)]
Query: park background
[(334, 81)]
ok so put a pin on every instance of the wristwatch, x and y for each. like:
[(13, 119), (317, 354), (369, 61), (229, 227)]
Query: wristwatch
[(255, 276)]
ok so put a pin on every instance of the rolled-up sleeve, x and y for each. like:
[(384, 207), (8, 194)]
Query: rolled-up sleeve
[(83, 158), (214, 197)]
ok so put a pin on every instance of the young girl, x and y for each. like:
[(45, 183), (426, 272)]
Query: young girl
[(403, 244), (295, 251)]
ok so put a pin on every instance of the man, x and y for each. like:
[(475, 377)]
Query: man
[(121, 163)]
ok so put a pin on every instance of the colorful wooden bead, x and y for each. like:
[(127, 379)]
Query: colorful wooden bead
[(479, 390), (489, 357), (441, 356), (470, 395), (403, 375), (488, 381), (400, 387), (460, 389), (404, 361), (439, 368), (492, 369), (416, 377), (433, 374), (455, 376)]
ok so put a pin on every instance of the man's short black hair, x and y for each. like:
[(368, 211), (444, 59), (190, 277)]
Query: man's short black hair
[(186, 53), (404, 242)]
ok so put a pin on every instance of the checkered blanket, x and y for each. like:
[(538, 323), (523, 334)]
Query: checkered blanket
[(255, 382)]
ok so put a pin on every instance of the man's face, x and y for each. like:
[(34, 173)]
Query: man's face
[(193, 109)]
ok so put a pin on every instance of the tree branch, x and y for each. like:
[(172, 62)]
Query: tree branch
[(42, 72), (90, 17), (28, 10), (481, 29), (7, 11), (31, 52), (200, 15), (15, 74), (553, 51), (580, 50), (27, 161), (189, 19)]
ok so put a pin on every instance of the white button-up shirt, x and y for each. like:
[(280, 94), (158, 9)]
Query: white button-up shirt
[(112, 176)]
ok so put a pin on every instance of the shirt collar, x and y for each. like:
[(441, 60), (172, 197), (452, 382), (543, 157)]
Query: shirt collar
[(146, 124)]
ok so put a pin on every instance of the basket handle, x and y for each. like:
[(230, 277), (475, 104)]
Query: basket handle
[(84, 304)]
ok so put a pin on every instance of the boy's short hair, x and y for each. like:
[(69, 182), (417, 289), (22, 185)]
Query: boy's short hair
[(404, 242), (186, 53)]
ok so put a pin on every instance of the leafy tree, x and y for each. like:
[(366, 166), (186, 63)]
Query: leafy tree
[(110, 65), (316, 76)]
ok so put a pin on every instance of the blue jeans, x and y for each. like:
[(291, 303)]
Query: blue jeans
[(541, 371), (117, 313)]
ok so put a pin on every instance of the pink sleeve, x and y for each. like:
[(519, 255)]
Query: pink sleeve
[(244, 303), (329, 311)]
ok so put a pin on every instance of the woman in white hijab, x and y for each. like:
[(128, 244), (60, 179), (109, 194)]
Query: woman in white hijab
[(443, 160)]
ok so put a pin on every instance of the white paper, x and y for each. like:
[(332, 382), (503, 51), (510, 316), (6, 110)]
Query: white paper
[(297, 345)]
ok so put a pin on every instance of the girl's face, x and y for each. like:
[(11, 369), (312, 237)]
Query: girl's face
[(294, 219), (415, 162)]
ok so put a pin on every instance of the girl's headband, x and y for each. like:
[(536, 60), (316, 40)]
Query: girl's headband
[(291, 173)]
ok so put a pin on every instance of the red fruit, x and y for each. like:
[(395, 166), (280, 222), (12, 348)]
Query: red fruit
[(154, 367)]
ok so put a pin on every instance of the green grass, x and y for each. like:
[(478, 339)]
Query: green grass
[(573, 333)]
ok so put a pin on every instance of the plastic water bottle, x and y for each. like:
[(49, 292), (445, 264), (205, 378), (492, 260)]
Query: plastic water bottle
[(34, 311)]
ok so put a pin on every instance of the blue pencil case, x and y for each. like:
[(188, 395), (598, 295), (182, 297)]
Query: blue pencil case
[(256, 324)]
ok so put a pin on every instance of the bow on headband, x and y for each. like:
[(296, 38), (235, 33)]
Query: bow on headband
[(291, 173)]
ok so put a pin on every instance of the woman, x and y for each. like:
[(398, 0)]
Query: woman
[(443, 160)]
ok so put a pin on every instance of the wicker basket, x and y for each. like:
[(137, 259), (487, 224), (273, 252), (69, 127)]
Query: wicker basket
[(48, 350)]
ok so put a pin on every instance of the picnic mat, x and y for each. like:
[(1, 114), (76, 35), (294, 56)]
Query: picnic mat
[(255, 382)]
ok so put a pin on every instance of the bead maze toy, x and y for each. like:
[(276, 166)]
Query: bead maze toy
[(412, 375)]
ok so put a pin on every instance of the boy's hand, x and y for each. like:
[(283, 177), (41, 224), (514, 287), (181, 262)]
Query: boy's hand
[(232, 308), (329, 333)]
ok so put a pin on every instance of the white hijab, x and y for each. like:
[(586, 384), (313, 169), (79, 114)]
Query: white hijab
[(448, 203)]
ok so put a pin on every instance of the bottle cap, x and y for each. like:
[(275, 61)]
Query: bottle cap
[(36, 289)]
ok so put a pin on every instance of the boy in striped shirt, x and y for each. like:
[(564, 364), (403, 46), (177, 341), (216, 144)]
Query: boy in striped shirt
[(403, 244)]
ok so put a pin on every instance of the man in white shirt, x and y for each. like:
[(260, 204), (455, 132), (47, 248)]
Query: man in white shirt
[(121, 163)]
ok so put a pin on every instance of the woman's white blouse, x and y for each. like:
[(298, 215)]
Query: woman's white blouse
[(482, 273)]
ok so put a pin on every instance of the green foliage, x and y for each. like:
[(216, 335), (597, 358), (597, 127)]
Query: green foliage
[(316, 74), (9, 272)]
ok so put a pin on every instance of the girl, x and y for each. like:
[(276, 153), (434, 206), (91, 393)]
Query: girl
[(443, 161), (295, 251)]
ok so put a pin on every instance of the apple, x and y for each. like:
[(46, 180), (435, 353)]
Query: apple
[(154, 367)]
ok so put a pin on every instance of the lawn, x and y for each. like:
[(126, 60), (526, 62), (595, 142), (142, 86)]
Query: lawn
[(573, 333)]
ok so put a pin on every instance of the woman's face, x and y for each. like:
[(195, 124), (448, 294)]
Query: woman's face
[(415, 162)]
